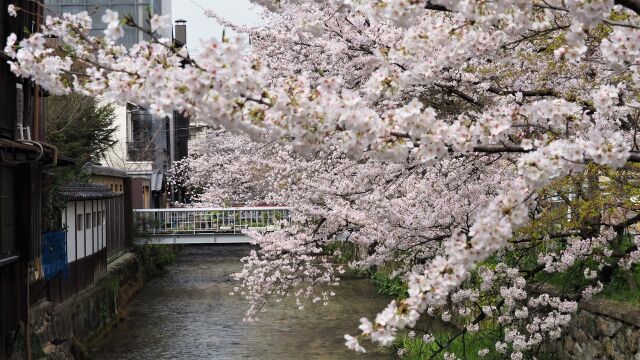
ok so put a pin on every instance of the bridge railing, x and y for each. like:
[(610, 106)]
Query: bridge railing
[(208, 220)]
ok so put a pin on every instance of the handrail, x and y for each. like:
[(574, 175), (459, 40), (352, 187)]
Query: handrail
[(212, 209), (210, 220)]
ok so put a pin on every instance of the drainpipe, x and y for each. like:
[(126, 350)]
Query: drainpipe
[(172, 139), (27, 328), (172, 151), (179, 40)]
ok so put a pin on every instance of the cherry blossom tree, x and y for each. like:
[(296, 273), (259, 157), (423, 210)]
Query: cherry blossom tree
[(225, 170), (389, 211), (435, 134)]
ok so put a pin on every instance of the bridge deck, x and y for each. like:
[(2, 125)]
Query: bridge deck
[(206, 225), (195, 239)]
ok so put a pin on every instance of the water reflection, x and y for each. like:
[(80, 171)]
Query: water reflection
[(188, 314)]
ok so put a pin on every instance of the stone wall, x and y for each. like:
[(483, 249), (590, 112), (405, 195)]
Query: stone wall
[(601, 330), (62, 331)]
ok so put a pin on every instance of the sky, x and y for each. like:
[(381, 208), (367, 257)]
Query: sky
[(240, 12)]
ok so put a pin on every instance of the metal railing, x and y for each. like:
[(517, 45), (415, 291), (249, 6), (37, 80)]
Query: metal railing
[(208, 220)]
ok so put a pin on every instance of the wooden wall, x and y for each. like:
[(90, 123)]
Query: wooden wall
[(20, 183), (105, 232)]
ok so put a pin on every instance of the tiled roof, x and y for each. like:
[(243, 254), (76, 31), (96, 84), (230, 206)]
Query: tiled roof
[(92, 169), (78, 192)]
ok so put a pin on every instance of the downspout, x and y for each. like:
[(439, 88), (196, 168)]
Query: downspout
[(27, 328), (53, 148), (36, 113), (36, 125), (172, 150)]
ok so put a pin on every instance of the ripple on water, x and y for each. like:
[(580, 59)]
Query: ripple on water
[(188, 314)]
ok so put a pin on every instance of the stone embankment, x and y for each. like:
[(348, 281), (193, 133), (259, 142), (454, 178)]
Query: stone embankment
[(601, 329), (63, 331)]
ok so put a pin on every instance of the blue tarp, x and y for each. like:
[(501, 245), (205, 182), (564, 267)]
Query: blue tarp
[(54, 255)]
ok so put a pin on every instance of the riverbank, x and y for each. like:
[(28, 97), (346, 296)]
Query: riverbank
[(65, 331)]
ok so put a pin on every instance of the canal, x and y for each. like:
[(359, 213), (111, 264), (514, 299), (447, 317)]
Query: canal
[(188, 313)]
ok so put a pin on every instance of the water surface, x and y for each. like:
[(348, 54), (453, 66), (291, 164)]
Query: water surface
[(189, 314)]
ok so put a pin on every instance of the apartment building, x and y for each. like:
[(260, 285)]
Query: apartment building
[(147, 145)]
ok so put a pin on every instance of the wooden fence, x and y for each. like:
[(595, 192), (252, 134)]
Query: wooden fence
[(116, 234), (103, 235)]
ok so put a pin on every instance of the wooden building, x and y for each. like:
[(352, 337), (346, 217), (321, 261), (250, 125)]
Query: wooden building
[(23, 155), (94, 223), (25, 160), (112, 178), (97, 219), (117, 180), (141, 192), (127, 191)]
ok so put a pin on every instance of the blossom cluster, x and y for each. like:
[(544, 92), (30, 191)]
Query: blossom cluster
[(422, 131)]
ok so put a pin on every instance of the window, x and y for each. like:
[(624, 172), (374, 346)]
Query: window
[(140, 140), (87, 220), (96, 9), (95, 219), (79, 218)]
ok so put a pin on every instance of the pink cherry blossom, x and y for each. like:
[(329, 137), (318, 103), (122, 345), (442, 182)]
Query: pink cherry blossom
[(423, 133)]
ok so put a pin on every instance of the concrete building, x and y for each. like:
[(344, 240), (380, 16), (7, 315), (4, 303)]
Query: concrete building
[(147, 145), (96, 8)]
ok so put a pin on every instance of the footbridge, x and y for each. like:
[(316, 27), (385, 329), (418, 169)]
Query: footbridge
[(205, 225)]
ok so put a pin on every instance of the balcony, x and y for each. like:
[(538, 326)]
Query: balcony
[(140, 150)]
